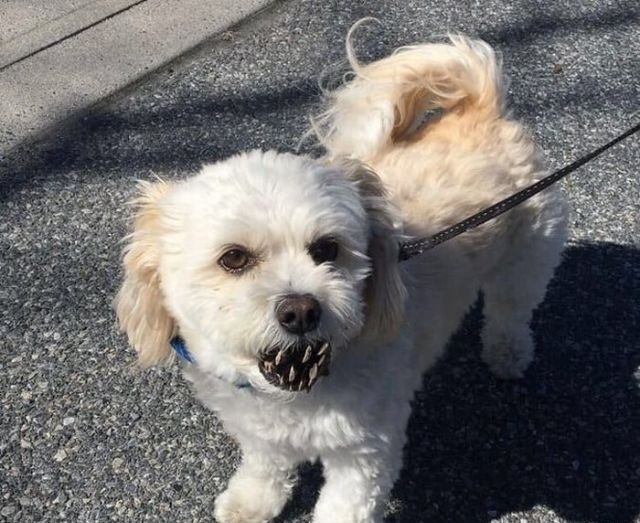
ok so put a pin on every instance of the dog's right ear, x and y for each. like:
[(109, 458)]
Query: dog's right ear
[(140, 302)]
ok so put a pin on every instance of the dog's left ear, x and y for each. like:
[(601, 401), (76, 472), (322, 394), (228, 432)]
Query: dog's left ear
[(385, 293)]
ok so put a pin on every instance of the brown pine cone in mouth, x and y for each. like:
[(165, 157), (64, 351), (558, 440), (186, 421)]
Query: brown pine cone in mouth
[(296, 368)]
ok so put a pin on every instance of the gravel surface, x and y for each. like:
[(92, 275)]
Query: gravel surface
[(84, 437)]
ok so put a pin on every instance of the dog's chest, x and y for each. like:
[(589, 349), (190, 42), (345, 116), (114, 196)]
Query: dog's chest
[(357, 405)]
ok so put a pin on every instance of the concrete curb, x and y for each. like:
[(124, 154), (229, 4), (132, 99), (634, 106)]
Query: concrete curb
[(76, 69), (66, 25)]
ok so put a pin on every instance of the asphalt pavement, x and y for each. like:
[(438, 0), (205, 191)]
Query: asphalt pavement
[(84, 437)]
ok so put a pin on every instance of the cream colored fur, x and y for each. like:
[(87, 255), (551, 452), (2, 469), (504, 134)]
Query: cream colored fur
[(139, 303), (385, 177)]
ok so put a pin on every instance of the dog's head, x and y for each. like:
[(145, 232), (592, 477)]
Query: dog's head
[(259, 261)]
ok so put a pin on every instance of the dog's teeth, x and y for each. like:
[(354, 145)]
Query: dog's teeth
[(292, 374), (307, 354), (301, 385), (268, 366), (281, 380), (323, 349), (322, 360), (313, 373), (279, 356)]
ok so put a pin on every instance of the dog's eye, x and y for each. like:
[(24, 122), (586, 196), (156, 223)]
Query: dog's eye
[(323, 250), (235, 260)]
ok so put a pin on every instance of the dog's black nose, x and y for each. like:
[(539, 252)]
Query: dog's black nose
[(298, 313)]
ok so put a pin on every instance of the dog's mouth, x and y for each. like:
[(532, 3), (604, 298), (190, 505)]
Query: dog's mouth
[(296, 368)]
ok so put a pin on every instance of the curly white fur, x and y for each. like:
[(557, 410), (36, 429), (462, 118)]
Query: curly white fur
[(388, 323)]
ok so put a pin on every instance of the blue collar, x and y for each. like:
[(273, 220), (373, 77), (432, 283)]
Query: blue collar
[(178, 345)]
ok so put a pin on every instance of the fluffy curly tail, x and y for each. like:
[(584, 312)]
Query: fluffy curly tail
[(384, 99)]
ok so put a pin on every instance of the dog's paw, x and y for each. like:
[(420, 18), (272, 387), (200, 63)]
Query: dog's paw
[(250, 501), (508, 356)]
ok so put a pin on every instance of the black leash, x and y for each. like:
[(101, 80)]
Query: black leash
[(418, 246)]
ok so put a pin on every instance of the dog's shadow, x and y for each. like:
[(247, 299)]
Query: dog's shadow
[(565, 437)]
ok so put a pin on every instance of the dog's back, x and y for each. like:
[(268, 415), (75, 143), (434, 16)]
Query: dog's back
[(465, 155), (431, 120)]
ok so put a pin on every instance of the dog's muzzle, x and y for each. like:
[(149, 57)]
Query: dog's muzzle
[(296, 368)]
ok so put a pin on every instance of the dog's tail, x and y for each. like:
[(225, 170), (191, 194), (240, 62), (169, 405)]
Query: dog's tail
[(383, 101)]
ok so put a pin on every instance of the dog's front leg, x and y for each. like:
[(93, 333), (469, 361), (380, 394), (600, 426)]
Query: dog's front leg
[(259, 489), (357, 484)]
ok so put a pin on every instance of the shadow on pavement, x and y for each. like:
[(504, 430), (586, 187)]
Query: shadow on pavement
[(542, 23), (565, 437)]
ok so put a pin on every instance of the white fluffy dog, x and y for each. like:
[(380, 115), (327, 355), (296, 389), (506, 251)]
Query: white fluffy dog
[(280, 273)]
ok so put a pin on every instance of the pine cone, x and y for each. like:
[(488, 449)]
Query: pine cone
[(296, 368)]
